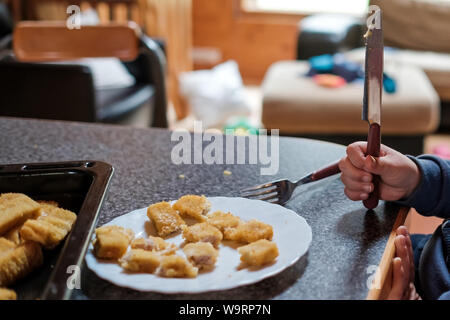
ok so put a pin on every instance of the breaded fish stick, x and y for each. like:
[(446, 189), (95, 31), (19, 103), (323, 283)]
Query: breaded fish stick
[(15, 208), (139, 260), (6, 245), (16, 263), (14, 234), (111, 242), (50, 228), (249, 231), (165, 218), (6, 294), (193, 206)]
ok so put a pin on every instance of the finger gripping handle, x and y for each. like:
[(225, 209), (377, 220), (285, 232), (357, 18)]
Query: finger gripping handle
[(373, 149)]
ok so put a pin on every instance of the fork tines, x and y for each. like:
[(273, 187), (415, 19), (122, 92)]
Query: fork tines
[(264, 192)]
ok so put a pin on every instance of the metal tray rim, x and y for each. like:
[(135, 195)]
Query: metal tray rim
[(77, 242)]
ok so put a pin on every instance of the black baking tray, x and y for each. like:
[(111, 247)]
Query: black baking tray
[(79, 186)]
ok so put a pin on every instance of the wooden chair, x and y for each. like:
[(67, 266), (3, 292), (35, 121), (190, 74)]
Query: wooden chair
[(108, 10), (30, 88)]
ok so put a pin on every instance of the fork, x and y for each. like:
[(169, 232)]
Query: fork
[(280, 191)]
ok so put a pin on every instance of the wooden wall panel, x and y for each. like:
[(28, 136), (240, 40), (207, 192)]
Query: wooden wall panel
[(259, 45), (254, 40), (172, 20)]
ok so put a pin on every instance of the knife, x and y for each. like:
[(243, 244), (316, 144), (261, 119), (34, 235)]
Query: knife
[(371, 112)]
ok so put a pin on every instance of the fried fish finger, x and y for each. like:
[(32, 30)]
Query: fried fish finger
[(203, 232), (222, 220), (258, 253), (248, 232), (139, 260), (50, 228), (155, 244), (14, 234), (5, 245), (175, 266), (193, 206), (112, 242), (49, 202), (165, 218), (17, 262), (6, 294), (201, 254), (15, 208)]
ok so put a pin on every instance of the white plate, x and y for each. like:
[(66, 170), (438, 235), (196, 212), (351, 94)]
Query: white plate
[(292, 234)]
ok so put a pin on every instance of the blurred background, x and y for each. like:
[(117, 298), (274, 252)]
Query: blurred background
[(292, 65)]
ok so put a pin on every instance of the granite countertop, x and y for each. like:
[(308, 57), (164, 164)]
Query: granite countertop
[(347, 240)]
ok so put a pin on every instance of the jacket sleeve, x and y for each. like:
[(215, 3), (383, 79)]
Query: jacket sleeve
[(432, 195), (445, 296)]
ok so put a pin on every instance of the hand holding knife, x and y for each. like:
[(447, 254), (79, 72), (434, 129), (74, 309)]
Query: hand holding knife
[(371, 112)]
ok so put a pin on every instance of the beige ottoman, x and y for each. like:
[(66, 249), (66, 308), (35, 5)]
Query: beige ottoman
[(436, 65), (296, 106)]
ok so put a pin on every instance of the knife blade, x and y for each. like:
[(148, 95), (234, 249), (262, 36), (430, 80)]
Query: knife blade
[(371, 111)]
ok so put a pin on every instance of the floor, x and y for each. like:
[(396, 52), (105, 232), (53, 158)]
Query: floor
[(415, 222)]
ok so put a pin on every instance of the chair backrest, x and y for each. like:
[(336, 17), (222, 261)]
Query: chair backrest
[(107, 10), (37, 41), (6, 22), (47, 91), (59, 91)]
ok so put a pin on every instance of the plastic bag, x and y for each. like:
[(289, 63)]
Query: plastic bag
[(215, 95)]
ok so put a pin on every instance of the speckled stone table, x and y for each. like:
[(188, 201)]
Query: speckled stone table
[(346, 239)]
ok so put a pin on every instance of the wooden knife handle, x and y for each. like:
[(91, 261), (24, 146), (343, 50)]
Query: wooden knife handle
[(328, 171), (373, 149)]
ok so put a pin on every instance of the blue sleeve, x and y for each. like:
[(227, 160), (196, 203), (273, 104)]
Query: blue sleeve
[(445, 296), (432, 195)]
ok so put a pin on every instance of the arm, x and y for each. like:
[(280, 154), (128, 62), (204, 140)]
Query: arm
[(445, 296), (422, 183), (432, 195)]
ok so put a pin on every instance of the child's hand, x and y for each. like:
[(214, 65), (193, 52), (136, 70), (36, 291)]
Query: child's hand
[(403, 268), (399, 174)]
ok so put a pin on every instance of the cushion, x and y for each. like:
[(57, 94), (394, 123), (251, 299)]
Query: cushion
[(112, 104), (327, 33), (416, 24), (107, 73), (294, 104), (435, 64)]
